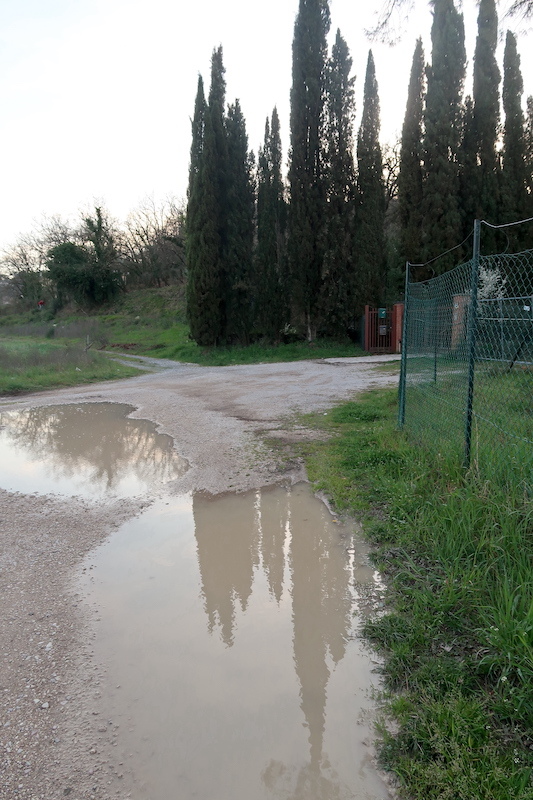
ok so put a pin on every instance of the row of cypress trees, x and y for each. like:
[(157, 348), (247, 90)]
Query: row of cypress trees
[(458, 161), (220, 217), (266, 258)]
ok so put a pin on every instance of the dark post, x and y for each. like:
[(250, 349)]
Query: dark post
[(403, 370), (435, 337), (471, 343)]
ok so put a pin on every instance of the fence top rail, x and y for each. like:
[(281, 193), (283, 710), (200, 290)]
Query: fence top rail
[(430, 282)]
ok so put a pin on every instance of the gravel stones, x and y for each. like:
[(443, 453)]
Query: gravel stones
[(55, 740)]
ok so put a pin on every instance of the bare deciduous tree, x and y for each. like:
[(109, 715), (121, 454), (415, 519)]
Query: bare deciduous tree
[(153, 243), (393, 14)]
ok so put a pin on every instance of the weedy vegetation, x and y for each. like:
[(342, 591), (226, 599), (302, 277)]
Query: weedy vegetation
[(458, 632), (28, 366), (151, 322)]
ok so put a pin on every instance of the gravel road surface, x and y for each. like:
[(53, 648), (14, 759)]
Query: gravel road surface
[(55, 739)]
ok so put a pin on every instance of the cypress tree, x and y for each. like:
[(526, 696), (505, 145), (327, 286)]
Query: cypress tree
[(339, 270), (486, 113), (370, 241), (279, 204), (307, 186), (198, 124), (514, 172), (195, 211), (410, 175), (442, 121), (271, 303), (240, 229), (216, 166), (529, 150), (529, 170), (469, 173), (206, 225)]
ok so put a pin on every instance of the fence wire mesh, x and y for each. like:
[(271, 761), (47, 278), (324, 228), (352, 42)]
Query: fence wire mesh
[(466, 389)]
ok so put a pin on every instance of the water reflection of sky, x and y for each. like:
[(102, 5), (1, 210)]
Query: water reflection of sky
[(92, 450), (229, 624)]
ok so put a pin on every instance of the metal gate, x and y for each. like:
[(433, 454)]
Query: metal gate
[(380, 324)]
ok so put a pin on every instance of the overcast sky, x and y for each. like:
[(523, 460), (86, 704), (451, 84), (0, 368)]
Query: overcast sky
[(96, 95)]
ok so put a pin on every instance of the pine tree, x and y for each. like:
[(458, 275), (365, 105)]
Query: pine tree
[(206, 223), (370, 241), (271, 258), (442, 121), (338, 289), (410, 175), (240, 229), (514, 172), (486, 112), (306, 179)]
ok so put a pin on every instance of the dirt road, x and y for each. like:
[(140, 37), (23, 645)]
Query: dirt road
[(54, 739)]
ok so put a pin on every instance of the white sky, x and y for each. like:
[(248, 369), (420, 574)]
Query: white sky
[(96, 95)]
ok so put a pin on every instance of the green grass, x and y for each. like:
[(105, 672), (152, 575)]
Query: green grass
[(502, 431), (151, 322), (258, 353), (29, 366), (458, 636)]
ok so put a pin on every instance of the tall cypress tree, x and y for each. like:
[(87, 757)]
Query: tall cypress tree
[(271, 262), (486, 112), (529, 168), (306, 179), (442, 121), (240, 229), (469, 173), (198, 223), (410, 175), (529, 148), (370, 239), (529, 132), (206, 237), (339, 268), (514, 172)]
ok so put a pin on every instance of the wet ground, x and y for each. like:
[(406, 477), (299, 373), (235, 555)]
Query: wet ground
[(223, 627), (228, 625)]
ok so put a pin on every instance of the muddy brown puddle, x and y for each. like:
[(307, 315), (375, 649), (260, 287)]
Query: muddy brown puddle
[(91, 450), (227, 627)]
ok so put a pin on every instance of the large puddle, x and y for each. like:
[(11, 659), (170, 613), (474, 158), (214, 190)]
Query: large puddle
[(227, 625), (92, 450)]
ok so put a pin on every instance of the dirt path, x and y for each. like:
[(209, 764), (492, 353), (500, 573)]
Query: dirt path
[(54, 739)]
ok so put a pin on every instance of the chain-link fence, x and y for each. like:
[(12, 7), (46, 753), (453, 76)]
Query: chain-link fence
[(466, 388)]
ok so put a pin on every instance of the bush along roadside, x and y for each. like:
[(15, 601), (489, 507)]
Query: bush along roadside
[(458, 632)]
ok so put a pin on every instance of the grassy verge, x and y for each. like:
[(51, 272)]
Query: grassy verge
[(502, 430), (28, 366), (152, 323), (458, 636)]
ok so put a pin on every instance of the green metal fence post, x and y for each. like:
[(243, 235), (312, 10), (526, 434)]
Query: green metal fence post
[(471, 343), (435, 338), (403, 370)]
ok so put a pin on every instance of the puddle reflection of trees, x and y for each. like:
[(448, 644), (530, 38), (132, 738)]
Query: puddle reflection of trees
[(288, 539), (96, 441)]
